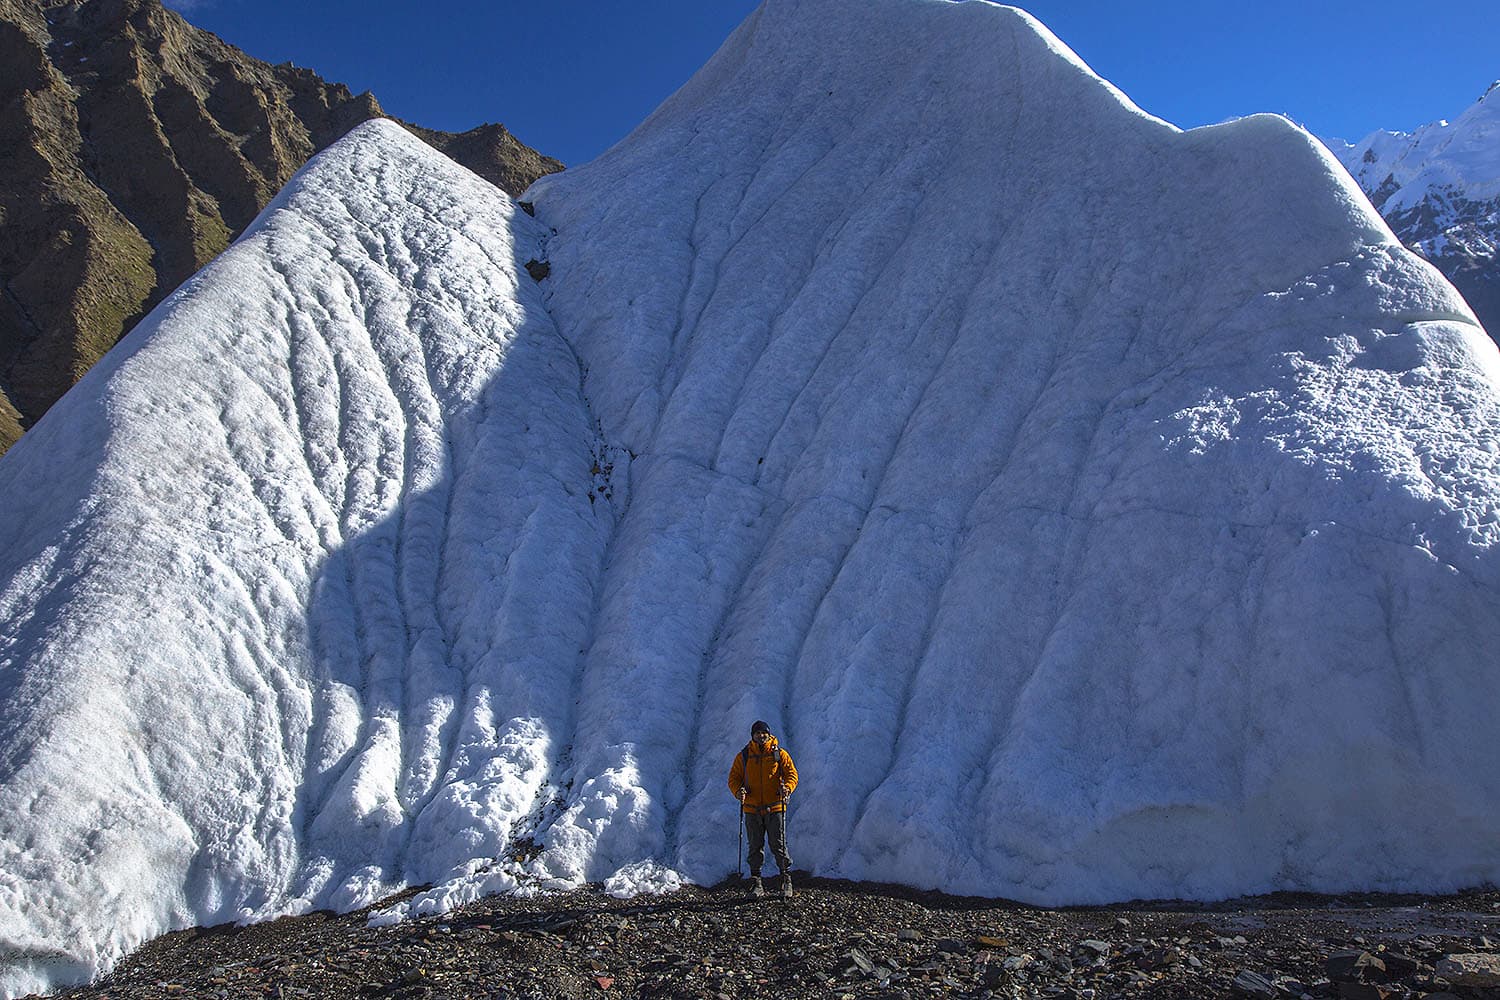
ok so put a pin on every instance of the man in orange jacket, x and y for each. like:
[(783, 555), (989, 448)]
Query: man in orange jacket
[(763, 777)]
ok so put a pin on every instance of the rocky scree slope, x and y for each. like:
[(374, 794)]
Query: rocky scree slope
[(837, 939), (133, 148), (1439, 190)]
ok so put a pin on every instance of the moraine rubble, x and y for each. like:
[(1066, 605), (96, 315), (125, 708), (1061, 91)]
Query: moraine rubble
[(842, 939)]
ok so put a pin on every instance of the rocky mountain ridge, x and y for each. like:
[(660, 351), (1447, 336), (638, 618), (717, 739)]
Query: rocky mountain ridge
[(134, 148), (1438, 187)]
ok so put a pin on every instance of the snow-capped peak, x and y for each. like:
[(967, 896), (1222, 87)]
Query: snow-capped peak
[(1439, 189), (1447, 159)]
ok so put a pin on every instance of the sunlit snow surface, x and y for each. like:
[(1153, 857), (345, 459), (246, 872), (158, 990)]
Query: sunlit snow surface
[(1094, 510), (295, 582)]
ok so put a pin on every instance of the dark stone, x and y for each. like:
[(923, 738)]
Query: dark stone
[(538, 269), (1288, 987), (993, 974), (1365, 991), (1399, 966), (1158, 958), (1252, 984), (1354, 967), (857, 961)]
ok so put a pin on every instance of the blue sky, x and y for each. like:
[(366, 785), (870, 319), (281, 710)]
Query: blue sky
[(571, 77)]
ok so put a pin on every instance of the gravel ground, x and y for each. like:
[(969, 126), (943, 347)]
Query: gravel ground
[(844, 939)]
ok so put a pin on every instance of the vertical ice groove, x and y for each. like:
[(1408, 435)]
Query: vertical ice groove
[(690, 762), (667, 378), (772, 141), (790, 199), (847, 329), (426, 472), (922, 664)]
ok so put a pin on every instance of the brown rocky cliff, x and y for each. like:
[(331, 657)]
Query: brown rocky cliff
[(133, 149)]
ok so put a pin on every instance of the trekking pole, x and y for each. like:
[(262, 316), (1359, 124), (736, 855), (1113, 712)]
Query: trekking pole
[(739, 821), (786, 828), (786, 821)]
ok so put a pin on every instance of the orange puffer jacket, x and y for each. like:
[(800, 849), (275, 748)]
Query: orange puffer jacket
[(760, 772)]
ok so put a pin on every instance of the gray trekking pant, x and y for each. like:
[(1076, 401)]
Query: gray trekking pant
[(757, 826)]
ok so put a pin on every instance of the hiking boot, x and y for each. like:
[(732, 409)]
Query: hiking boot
[(786, 887), (756, 888)]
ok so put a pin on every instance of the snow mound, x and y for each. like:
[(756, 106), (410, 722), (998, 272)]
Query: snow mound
[(1095, 510), (643, 878), (295, 582)]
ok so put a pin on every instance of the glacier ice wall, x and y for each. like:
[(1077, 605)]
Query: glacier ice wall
[(1118, 502), (1095, 510)]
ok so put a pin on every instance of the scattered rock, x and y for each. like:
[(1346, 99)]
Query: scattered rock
[(1399, 965), (1354, 967), (857, 961), (1365, 991), (1252, 984), (836, 939), (1286, 986), (1471, 969), (992, 974), (1158, 958)]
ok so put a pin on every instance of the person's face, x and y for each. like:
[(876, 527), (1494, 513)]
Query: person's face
[(762, 737)]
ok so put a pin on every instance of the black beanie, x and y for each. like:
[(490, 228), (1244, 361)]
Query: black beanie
[(759, 727)]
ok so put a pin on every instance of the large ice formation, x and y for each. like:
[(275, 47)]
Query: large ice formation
[(1094, 509)]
